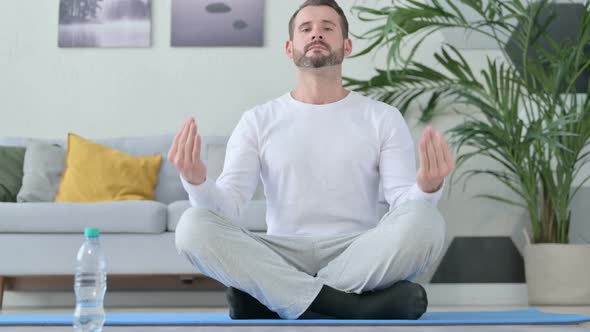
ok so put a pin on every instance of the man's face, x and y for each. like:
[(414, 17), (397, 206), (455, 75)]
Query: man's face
[(317, 38)]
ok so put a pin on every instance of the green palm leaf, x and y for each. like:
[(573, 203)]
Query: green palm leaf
[(531, 122)]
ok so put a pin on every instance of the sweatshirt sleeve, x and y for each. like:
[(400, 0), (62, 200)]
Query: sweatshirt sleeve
[(397, 164), (237, 183)]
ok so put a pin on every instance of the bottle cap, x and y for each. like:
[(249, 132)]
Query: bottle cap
[(91, 232)]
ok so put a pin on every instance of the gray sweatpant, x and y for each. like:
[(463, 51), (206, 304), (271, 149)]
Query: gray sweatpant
[(286, 273)]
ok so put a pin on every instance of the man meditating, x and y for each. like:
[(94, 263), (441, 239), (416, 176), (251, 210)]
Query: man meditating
[(321, 151)]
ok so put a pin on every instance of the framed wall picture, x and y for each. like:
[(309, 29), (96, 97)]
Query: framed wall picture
[(217, 23), (104, 23)]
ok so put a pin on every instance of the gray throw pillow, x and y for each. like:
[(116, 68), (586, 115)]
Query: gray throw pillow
[(43, 168)]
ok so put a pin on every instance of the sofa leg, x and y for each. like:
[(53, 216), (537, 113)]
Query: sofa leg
[(2, 279)]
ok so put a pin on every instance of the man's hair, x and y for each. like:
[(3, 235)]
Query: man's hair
[(330, 3)]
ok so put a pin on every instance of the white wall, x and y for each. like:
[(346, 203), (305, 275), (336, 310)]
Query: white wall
[(47, 91)]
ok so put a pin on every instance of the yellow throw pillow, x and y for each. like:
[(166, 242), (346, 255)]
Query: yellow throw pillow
[(97, 173)]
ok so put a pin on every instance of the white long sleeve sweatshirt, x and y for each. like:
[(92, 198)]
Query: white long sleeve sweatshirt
[(320, 166)]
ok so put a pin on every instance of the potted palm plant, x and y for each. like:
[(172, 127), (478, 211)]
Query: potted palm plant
[(532, 114)]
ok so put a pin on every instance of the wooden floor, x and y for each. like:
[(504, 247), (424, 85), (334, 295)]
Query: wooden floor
[(505, 328)]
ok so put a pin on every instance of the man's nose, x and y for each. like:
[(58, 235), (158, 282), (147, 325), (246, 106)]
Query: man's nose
[(317, 36)]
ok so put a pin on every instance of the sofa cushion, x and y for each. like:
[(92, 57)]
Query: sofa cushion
[(252, 219), (97, 173), (109, 217), (175, 211), (42, 170), (169, 188), (11, 172)]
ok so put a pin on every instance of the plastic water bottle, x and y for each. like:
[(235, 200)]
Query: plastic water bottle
[(90, 284)]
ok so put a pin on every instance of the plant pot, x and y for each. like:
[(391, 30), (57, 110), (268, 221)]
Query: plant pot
[(558, 274)]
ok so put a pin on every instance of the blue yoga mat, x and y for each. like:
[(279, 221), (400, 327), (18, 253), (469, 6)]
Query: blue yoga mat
[(527, 316)]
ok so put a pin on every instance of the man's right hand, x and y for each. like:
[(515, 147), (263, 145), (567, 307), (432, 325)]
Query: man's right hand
[(185, 153)]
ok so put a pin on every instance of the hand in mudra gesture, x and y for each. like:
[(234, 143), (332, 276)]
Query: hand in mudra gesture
[(436, 160), (185, 153)]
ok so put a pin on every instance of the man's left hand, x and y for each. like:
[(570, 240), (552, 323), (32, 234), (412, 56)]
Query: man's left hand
[(436, 160)]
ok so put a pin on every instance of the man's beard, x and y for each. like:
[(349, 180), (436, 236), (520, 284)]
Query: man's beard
[(317, 60)]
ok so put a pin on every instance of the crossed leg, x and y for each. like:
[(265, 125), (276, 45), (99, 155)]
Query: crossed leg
[(404, 243)]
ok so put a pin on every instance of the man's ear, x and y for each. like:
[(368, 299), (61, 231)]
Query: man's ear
[(347, 47), (289, 49)]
